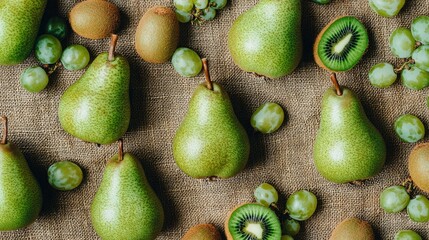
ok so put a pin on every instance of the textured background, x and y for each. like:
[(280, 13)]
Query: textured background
[(159, 101)]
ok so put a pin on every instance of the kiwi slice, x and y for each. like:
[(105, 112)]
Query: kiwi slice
[(253, 221), (341, 44)]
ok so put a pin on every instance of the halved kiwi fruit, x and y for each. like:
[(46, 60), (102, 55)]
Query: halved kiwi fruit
[(341, 44), (252, 221)]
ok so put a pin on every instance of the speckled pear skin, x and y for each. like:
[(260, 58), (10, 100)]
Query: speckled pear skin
[(19, 24), (20, 193), (96, 108), (125, 207), (348, 147), (211, 141), (267, 39)]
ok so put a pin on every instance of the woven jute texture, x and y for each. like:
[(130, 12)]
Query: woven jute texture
[(159, 102)]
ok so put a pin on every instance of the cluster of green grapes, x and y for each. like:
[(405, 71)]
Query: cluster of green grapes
[(48, 50), (197, 10), (300, 206)]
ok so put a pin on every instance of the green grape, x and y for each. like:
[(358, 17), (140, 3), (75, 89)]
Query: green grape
[(218, 4), (420, 29), (56, 26), (382, 75), (418, 209), (266, 194), (386, 8), (34, 79), (407, 235), (267, 118), (321, 1), (286, 237), (186, 62), (402, 43), (409, 128), (421, 58), (184, 5), (415, 78), (182, 16), (64, 175), (208, 14), (48, 49), (301, 205), (290, 227), (201, 4), (75, 57), (394, 199)]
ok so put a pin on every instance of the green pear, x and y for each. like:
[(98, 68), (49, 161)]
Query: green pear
[(125, 206), (267, 39), (96, 108), (348, 147), (210, 141), (19, 24), (20, 193)]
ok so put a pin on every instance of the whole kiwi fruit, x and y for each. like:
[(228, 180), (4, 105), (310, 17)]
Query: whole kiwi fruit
[(157, 35), (252, 221), (353, 229), (341, 44), (94, 19), (418, 166), (202, 231)]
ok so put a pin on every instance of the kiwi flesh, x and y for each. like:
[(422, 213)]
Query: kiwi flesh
[(252, 221), (353, 229), (418, 166), (202, 232), (341, 44)]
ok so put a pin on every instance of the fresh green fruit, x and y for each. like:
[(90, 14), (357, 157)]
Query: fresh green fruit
[(415, 78), (418, 166), (57, 27), (286, 237), (186, 62), (394, 199), (95, 19), (48, 49), (210, 140), (252, 221), (382, 75), (407, 235), (265, 194), (64, 175), (202, 232), (182, 16), (301, 205), (96, 108), (19, 21), (267, 118), (184, 5), (75, 57), (420, 29), (421, 57), (208, 14), (201, 4), (418, 209), (341, 44), (218, 4), (353, 229), (21, 196), (321, 1), (157, 35), (409, 128), (34, 79), (348, 147), (386, 8), (290, 227), (268, 46), (125, 206), (402, 43)]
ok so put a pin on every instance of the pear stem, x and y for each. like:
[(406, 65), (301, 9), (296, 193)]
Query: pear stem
[(207, 74), (112, 47), (121, 150), (4, 137), (336, 84)]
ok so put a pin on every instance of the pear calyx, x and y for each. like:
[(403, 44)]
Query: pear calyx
[(337, 86), (207, 74), (112, 47), (4, 133)]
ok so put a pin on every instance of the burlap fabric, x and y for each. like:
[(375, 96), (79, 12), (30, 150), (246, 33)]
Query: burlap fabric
[(159, 102)]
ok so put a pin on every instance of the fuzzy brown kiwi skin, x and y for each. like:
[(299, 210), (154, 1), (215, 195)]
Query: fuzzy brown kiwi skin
[(353, 229), (316, 44), (418, 166), (202, 231)]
